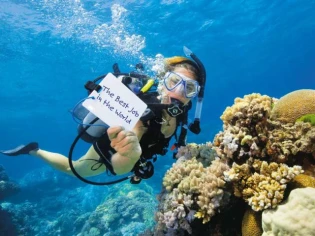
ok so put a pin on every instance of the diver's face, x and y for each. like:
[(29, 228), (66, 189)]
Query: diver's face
[(178, 92)]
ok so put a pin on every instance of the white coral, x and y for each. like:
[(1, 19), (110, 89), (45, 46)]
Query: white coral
[(230, 144), (294, 217)]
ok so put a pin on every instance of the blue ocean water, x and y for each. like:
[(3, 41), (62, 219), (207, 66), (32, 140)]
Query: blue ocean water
[(49, 49)]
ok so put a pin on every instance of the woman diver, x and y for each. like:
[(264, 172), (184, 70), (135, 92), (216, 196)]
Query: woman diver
[(120, 151)]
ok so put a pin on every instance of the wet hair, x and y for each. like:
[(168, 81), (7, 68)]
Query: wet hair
[(188, 66), (184, 63)]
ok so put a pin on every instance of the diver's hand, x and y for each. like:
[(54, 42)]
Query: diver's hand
[(124, 142)]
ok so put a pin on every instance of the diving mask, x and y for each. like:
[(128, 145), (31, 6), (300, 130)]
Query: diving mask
[(172, 81)]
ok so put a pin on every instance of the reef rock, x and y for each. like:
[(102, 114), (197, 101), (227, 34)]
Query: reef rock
[(7, 187)]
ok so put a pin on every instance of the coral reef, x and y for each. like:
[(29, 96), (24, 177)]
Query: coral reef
[(127, 210), (263, 159), (78, 209), (204, 153), (219, 188), (245, 129), (310, 118), (254, 143), (7, 226), (251, 224), (293, 217), (7, 187), (287, 140), (294, 105), (302, 181), (195, 191), (261, 184)]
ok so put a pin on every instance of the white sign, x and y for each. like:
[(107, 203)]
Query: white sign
[(115, 104)]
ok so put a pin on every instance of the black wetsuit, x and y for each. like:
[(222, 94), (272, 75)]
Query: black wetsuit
[(152, 143)]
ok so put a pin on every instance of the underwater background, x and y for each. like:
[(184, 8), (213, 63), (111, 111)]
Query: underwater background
[(49, 49)]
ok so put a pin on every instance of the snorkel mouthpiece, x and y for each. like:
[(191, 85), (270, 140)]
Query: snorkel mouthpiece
[(195, 126)]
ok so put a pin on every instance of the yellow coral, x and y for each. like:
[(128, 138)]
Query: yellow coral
[(254, 104), (303, 181), (245, 128), (265, 187), (294, 105), (290, 139), (203, 215), (251, 223), (247, 138)]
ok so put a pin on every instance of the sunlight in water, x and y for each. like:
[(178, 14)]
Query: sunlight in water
[(115, 35)]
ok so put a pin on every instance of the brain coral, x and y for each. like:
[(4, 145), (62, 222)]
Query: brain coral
[(251, 223), (294, 105)]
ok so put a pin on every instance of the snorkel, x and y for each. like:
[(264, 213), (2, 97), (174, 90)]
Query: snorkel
[(195, 126)]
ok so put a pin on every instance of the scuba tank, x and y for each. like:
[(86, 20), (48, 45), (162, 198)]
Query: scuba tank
[(95, 130)]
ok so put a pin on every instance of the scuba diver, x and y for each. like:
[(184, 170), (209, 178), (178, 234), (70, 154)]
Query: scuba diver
[(119, 151)]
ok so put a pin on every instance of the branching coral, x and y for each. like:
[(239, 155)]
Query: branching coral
[(188, 151), (174, 209), (265, 187), (245, 131), (194, 189), (249, 137), (294, 105), (202, 152), (179, 171), (211, 190), (246, 110), (289, 139)]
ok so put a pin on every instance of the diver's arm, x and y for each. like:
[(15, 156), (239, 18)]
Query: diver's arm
[(127, 145), (123, 164)]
